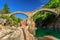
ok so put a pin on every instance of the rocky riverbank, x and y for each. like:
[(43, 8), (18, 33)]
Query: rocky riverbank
[(8, 32), (20, 34), (15, 34)]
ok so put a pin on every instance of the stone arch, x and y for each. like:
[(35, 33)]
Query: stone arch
[(18, 12), (55, 11)]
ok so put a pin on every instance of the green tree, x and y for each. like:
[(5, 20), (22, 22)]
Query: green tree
[(53, 4), (5, 9)]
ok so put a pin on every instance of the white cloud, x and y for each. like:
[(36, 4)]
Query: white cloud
[(42, 5)]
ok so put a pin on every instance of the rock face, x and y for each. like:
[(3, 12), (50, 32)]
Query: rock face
[(54, 25), (15, 34), (32, 28), (28, 35), (8, 32), (31, 24)]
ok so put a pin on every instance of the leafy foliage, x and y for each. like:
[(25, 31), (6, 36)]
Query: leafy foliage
[(37, 15), (53, 4), (12, 19), (47, 17)]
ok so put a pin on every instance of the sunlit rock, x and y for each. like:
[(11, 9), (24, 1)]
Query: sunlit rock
[(47, 38), (30, 24)]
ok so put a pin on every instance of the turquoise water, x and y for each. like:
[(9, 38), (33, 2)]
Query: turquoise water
[(42, 32)]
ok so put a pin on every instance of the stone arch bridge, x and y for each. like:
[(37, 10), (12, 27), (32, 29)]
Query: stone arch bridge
[(56, 11)]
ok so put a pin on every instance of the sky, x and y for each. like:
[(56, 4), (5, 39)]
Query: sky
[(23, 5)]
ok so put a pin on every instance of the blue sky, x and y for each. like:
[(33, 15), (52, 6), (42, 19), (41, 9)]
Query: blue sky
[(23, 5)]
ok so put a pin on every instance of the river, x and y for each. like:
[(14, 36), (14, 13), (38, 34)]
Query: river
[(42, 32)]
